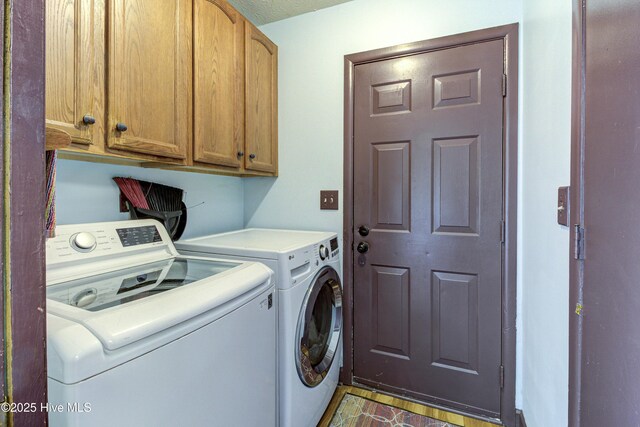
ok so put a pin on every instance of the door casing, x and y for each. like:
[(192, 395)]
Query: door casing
[(22, 172), (576, 212), (603, 296), (509, 34)]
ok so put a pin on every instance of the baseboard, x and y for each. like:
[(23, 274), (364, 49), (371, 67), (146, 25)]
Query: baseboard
[(520, 422)]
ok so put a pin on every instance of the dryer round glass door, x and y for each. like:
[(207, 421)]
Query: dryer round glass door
[(319, 326)]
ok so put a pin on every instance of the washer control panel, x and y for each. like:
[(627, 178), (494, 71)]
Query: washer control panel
[(132, 236), (94, 241), (80, 243)]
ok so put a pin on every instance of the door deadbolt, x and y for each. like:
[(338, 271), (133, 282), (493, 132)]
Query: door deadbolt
[(363, 230), (363, 247)]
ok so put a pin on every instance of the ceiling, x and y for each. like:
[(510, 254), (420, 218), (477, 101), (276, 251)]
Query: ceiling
[(262, 12)]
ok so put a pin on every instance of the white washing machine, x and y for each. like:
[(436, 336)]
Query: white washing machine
[(307, 266), (138, 335)]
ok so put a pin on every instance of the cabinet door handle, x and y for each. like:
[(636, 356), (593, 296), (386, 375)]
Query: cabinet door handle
[(252, 156), (121, 127), (240, 153), (88, 119)]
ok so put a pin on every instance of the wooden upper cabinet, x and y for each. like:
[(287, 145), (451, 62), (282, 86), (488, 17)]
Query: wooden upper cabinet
[(261, 98), (150, 80), (75, 68), (188, 83), (218, 83)]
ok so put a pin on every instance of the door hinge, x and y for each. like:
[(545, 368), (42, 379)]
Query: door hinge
[(503, 231), (578, 242), (501, 376), (579, 309), (504, 85)]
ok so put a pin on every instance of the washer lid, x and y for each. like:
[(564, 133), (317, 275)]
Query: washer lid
[(255, 242), (127, 305)]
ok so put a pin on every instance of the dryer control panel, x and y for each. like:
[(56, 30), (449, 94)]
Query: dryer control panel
[(329, 250), (334, 247)]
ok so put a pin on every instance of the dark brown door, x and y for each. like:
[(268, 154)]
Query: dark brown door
[(605, 359), (428, 189)]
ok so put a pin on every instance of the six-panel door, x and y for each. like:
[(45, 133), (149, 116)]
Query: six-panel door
[(150, 77), (428, 183)]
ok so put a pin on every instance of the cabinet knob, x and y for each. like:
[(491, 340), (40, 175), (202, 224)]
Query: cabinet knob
[(240, 153), (88, 119), (121, 127), (252, 156)]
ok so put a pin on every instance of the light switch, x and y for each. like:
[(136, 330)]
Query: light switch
[(563, 206), (328, 200)]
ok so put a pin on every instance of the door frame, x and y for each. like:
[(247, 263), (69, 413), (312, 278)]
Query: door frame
[(509, 34), (22, 171), (576, 211)]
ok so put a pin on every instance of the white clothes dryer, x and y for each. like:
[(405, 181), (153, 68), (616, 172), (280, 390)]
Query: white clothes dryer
[(307, 268)]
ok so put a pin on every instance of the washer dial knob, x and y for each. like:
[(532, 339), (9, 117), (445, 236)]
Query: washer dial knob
[(83, 242), (324, 252)]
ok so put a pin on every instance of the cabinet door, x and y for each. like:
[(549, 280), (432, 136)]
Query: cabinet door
[(218, 83), (149, 68), (75, 68), (261, 97)]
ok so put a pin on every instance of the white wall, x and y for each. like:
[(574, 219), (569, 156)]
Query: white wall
[(85, 192), (545, 258)]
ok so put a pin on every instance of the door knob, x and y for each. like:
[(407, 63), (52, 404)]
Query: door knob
[(363, 230), (363, 247), (121, 127)]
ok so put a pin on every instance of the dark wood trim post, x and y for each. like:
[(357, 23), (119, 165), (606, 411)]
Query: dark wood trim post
[(509, 34), (24, 166)]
